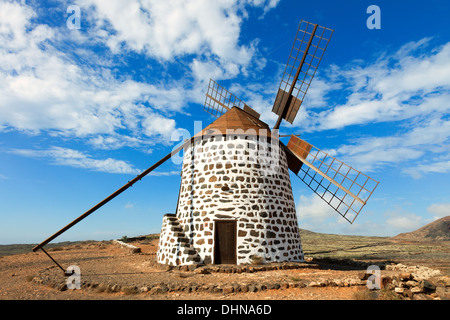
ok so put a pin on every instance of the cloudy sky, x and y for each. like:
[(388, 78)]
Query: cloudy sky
[(93, 92)]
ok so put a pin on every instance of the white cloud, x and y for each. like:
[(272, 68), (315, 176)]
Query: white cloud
[(202, 71), (155, 124), (164, 173), (111, 142), (50, 82), (399, 86), (410, 87), (404, 222), (129, 205), (430, 138), (312, 208), (430, 167), (167, 29), (439, 210), (78, 159), (316, 215), (45, 89), (13, 19)]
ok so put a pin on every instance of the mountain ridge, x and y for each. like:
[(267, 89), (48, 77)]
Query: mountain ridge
[(438, 230)]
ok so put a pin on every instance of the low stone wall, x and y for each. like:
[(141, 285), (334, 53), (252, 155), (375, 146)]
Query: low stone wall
[(400, 283), (130, 248), (231, 287), (244, 268)]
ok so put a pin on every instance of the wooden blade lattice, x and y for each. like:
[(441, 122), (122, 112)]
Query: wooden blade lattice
[(345, 189), (219, 100), (303, 61)]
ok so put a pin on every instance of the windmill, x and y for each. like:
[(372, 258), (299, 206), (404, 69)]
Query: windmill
[(249, 208), (235, 200)]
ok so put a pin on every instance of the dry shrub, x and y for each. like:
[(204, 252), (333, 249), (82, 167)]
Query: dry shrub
[(255, 259)]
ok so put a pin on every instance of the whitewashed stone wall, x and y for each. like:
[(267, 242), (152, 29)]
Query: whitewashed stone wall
[(232, 179)]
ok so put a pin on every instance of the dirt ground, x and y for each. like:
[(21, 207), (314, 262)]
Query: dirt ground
[(103, 265)]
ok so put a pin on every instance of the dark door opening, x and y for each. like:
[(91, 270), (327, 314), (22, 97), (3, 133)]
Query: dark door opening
[(225, 242)]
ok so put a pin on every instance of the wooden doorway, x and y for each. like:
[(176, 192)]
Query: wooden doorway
[(225, 242)]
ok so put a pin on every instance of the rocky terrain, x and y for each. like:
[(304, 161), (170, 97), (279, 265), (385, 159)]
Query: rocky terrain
[(337, 268)]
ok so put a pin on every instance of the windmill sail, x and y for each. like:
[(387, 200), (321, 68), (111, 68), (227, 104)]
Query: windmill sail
[(309, 46), (345, 189), (219, 100)]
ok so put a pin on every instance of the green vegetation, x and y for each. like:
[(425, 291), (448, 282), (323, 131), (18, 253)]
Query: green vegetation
[(10, 249), (152, 236), (320, 245)]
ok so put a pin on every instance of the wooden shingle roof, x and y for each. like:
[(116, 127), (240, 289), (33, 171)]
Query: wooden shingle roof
[(237, 121)]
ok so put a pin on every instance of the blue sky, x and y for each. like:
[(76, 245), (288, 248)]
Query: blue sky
[(83, 111)]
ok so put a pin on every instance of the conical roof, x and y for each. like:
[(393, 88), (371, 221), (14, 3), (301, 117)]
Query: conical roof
[(236, 121)]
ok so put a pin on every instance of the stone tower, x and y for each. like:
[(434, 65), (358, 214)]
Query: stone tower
[(235, 199)]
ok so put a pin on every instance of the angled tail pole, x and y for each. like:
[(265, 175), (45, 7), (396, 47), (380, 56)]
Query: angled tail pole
[(105, 201)]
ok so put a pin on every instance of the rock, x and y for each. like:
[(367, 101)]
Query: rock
[(427, 286), (192, 267), (338, 282), (204, 288), (202, 270), (408, 293), (285, 285), (300, 284), (62, 287), (217, 289), (273, 286), (193, 288), (405, 276), (115, 288), (411, 283), (314, 284), (109, 288), (364, 275), (156, 290), (399, 290), (354, 282), (129, 290), (418, 272), (385, 281), (434, 295), (416, 290), (227, 289), (129, 247), (252, 288), (420, 296), (144, 289), (184, 268), (440, 290), (445, 280), (261, 287)]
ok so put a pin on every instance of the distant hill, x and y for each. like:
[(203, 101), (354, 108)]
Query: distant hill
[(10, 249), (438, 230)]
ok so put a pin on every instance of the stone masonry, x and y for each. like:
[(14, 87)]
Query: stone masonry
[(232, 178)]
